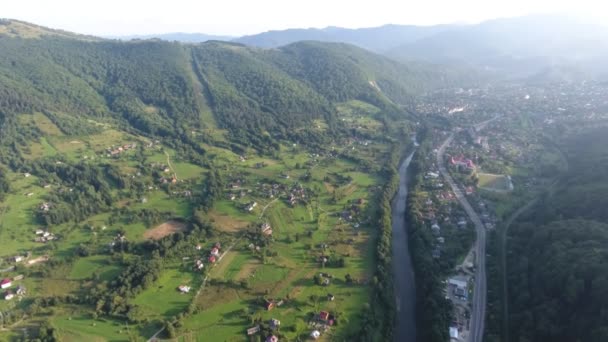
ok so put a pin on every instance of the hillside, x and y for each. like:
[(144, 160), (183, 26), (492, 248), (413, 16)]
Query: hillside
[(198, 191), (158, 88), (557, 253), (16, 28)]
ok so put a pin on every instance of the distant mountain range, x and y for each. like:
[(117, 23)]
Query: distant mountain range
[(377, 39)]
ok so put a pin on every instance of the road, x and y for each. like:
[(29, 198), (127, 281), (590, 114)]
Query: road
[(478, 311), (405, 289)]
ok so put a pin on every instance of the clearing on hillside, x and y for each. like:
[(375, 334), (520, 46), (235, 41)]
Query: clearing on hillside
[(492, 182), (165, 229)]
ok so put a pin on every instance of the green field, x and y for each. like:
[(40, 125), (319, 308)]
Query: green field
[(163, 299)]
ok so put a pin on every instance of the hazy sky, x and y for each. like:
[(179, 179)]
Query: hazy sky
[(238, 17)]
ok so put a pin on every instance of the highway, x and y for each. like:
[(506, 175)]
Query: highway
[(478, 311)]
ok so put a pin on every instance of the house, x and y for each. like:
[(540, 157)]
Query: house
[(199, 247), (432, 175), (441, 239), (436, 253), (274, 324), (269, 304), (253, 330), (17, 258), (272, 338), (212, 259), (8, 296), (324, 315), (330, 297), (463, 162), (39, 232), (184, 288), (215, 252), (315, 334), (251, 206), (266, 229), (199, 265), (21, 290), (5, 283), (453, 333), (435, 227), (26, 175)]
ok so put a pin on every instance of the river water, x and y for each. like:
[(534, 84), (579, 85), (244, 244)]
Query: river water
[(405, 291)]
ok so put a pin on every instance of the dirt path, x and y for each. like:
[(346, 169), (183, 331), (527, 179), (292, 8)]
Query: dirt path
[(266, 207), (170, 166)]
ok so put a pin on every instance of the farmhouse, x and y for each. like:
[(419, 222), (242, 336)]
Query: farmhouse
[(5, 283), (315, 334), (212, 259), (184, 288), (9, 296), (18, 258), (215, 252)]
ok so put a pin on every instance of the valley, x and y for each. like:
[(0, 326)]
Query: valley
[(313, 190)]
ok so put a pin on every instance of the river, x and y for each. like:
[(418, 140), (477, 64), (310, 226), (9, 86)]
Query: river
[(405, 290)]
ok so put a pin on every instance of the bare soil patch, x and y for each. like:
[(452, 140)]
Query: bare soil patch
[(167, 228)]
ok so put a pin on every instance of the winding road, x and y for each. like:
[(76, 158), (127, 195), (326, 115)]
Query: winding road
[(478, 311), (405, 290)]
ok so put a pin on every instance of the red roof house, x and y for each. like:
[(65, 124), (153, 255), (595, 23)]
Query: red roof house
[(324, 315), (212, 259), (5, 283)]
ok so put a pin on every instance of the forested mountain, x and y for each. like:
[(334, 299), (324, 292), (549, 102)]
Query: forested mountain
[(558, 254), (161, 89), (378, 39)]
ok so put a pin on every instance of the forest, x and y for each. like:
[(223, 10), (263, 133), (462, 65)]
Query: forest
[(558, 253)]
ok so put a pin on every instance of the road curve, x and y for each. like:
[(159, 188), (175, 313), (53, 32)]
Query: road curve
[(403, 272), (478, 311)]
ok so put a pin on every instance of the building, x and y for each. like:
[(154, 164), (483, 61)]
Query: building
[(272, 338), (453, 333), (253, 330), (266, 229), (9, 296), (274, 324), (184, 288), (315, 334), (215, 252), (5, 283)]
